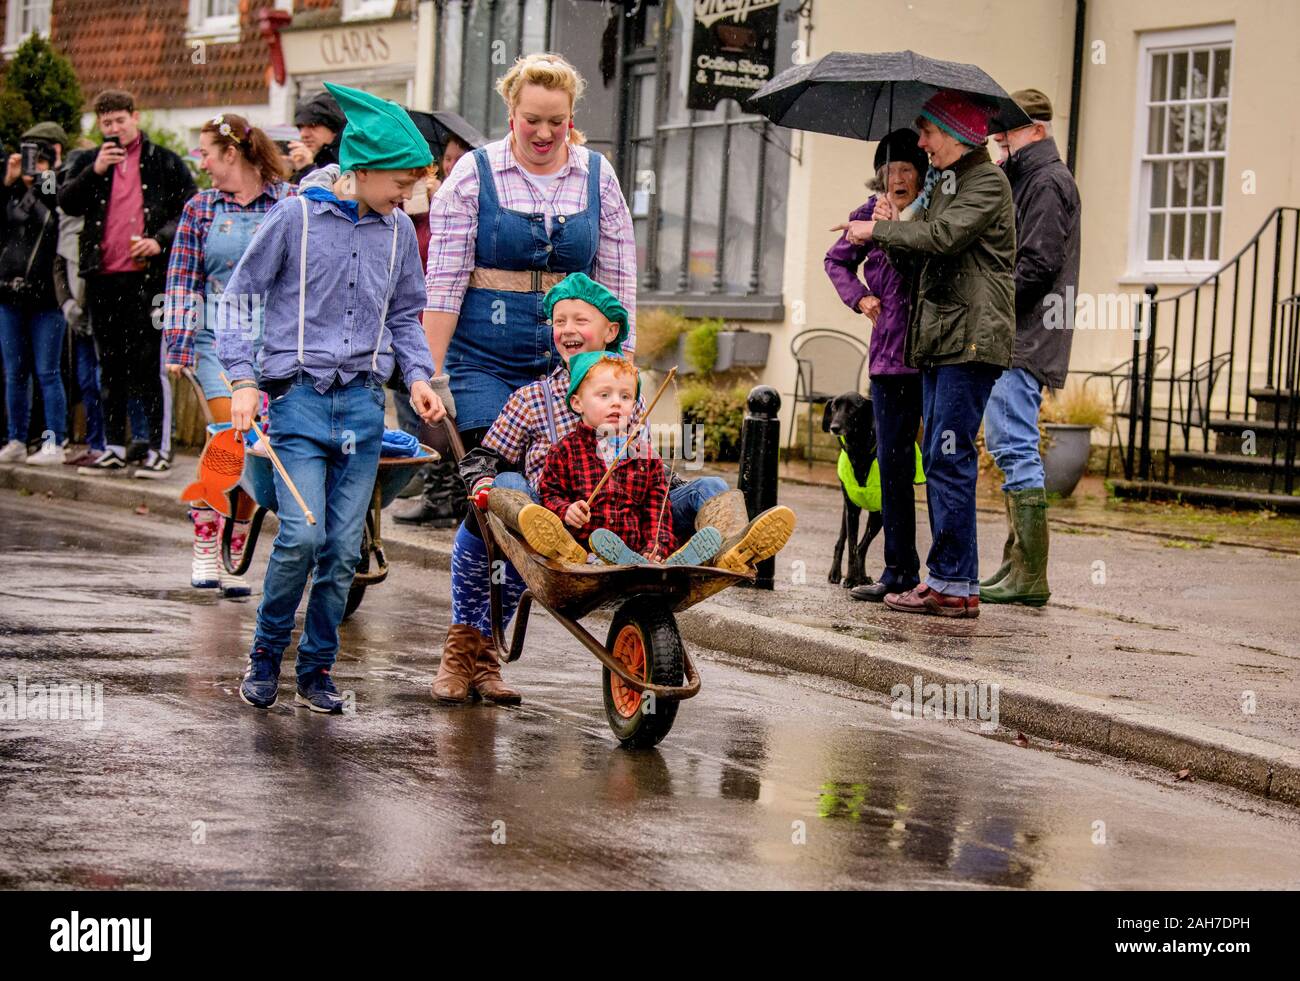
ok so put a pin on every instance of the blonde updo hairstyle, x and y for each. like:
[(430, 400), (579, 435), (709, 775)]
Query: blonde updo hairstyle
[(550, 71)]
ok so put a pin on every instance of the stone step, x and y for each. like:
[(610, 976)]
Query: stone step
[(1222, 497), (1234, 436), (1273, 403), (1228, 470)]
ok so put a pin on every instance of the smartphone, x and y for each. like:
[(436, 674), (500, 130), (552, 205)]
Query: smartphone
[(30, 152), (116, 141)]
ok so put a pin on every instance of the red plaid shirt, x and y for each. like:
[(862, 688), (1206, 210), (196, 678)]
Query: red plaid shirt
[(630, 504)]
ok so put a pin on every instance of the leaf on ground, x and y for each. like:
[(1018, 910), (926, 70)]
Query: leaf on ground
[(142, 509), (1184, 775), (1021, 739)]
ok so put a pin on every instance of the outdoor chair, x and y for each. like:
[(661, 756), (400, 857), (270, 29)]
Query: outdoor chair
[(829, 363), (1118, 380)]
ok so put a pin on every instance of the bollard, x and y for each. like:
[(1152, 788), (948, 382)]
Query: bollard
[(760, 445)]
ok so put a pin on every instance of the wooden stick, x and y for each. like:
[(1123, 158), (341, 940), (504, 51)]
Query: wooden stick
[(275, 460), (645, 418)]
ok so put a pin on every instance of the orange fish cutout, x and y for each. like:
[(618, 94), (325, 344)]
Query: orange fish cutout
[(220, 468)]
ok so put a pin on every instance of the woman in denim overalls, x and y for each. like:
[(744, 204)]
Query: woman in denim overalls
[(543, 206), (214, 230)]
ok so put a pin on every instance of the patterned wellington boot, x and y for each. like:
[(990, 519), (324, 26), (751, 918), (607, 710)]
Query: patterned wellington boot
[(203, 570), (232, 585)]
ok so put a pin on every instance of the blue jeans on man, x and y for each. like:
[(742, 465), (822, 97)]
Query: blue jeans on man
[(1011, 429), (953, 398), (31, 345), (896, 404), (329, 443)]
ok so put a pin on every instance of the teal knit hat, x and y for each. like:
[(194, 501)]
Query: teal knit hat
[(582, 363), (579, 286), (379, 134)]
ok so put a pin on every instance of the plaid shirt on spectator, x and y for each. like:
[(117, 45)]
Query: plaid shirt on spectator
[(187, 281), (632, 502), (453, 224)]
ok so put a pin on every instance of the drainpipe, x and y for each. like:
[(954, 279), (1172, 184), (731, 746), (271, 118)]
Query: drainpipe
[(1076, 82), (426, 22)]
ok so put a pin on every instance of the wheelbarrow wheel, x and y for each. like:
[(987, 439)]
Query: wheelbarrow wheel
[(357, 591), (644, 638)]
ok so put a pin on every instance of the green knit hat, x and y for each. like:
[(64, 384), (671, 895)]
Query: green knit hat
[(379, 134), (579, 286), (582, 363)]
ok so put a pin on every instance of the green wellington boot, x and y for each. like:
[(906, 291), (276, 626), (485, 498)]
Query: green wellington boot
[(1026, 582), (1008, 549)]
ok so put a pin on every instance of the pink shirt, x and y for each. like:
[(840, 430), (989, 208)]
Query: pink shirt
[(453, 223), (125, 215)]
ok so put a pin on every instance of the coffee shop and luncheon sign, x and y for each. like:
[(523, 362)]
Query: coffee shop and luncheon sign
[(733, 50)]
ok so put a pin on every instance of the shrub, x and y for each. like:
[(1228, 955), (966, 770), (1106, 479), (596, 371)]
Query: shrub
[(39, 85), (1077, 405), (702, 344), (719, 413), (657, 330)]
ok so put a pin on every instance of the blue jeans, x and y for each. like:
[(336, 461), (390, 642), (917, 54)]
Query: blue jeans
[(952, 403), (1011, 429), (329, 444), (685, 500), (86, 369), (40, 332), (896, 403)]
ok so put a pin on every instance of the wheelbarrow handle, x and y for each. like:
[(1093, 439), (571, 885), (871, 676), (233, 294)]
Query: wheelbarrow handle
[(275, 459)]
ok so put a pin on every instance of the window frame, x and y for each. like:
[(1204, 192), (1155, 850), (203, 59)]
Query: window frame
[(12, 16), (351, 10), (1151, 43), (219, 30)]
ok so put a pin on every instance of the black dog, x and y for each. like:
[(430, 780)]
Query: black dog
[(849, 417)]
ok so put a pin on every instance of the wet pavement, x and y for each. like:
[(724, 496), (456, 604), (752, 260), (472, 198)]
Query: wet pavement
[(767, 780)]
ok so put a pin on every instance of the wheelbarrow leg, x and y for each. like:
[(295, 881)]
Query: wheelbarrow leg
[(521, 625), (228, 531)]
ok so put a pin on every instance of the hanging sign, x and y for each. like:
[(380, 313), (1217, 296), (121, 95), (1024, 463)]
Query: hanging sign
[(733, 50)]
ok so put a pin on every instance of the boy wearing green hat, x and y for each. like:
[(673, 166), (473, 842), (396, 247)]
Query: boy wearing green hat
[(333, 283)]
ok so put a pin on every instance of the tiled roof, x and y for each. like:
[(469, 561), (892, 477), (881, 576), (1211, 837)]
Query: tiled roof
[(142, 46)]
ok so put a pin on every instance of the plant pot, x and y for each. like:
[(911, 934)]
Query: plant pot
[(736, 349), (1066, 457)]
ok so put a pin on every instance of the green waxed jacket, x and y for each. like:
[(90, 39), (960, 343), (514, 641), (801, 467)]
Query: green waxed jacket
[(962, 252)]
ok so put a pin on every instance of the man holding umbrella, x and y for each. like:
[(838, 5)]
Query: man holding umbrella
[(962, 248)]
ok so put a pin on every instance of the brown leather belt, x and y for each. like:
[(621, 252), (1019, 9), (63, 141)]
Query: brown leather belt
[(514, 280)]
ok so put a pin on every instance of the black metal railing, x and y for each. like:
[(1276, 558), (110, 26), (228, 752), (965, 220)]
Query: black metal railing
[(1228, 355)]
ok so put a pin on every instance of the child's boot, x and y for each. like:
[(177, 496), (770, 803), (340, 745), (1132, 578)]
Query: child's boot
[(760, 539), (203, 569), (725, 511), (546, 533), (613, 550), (506, 505), (702, 546), (232, 585)]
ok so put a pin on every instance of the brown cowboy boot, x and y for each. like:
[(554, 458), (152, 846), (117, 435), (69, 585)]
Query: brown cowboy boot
[(487, 681), (456, 670)]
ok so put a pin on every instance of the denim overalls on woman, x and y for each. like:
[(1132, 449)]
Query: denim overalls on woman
[(329, 442), (502, 340), (228, 236)]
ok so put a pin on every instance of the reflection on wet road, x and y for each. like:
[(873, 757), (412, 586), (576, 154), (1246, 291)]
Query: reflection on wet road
[(767, 780)]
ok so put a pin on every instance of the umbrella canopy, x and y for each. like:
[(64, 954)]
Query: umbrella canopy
[(866, 95), (437, 126)]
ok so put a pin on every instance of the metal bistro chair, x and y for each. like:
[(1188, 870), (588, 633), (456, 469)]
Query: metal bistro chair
[(1118, 378), (829, 363)]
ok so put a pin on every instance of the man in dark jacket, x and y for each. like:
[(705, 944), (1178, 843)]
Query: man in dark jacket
[(1047, 274), (131, 193), (961, 247), (320, 123)]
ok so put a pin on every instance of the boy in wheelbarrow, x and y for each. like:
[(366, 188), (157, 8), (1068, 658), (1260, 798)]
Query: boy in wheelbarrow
[(337, 272), (585, 317)]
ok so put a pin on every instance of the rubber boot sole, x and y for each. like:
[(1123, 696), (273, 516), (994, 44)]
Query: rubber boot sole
[(613, 550), (703, 545), (547, 535), (767, 535)]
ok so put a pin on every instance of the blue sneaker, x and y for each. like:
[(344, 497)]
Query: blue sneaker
[(316, 690), (703, 545), (613, 549), (261, 685)]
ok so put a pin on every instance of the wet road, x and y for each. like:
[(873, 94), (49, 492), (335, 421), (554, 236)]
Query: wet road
[(767, 780)]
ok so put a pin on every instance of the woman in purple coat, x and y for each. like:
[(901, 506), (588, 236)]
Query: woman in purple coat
[(884, 299)]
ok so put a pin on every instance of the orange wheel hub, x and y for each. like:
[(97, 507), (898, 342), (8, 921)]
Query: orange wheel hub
[(629, 648)]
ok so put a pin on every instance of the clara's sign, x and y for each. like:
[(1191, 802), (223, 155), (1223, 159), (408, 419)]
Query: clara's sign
[(733, 50), (355, 47)]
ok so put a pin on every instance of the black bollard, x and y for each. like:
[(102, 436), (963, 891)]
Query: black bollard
[(760, 446)]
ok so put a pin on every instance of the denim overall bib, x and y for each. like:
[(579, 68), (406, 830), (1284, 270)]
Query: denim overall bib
[(503, 340), (228, 236)]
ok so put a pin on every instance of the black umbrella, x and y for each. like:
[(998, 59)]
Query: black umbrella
[(859, 95), (437, 126)]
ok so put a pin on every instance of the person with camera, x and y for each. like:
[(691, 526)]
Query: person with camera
[(131, 193), (31, 324)]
